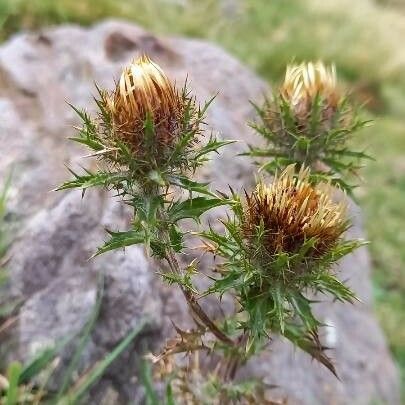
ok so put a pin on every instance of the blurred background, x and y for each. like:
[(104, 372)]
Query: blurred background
[(365, 40)]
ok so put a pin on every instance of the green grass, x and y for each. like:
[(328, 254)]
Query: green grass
[(364, 38), (27, 383), (383, 199)]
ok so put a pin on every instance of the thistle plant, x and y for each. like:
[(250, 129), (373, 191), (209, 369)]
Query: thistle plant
[(310, 121), (148, 139), (281, 244), (277, 245)]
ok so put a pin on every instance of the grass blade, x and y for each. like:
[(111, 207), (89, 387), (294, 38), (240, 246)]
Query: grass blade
[(13, 376), (98, 370), (83, 340)]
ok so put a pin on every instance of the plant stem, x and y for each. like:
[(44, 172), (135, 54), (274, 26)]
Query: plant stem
[(189, 296), (195, 306)]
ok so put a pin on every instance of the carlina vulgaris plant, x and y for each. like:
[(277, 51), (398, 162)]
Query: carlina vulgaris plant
[(277, 243), (282, 243), (310, 121), (147, 137)]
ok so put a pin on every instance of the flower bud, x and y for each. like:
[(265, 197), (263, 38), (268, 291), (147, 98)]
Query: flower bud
[(309, 122), (305, 83), (291, 211), (145, 93)]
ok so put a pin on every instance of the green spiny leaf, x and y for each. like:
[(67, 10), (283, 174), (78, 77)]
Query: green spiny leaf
[(302, 308), (191, 185), (226, 283), (84, 182), (327, 283), (308, 343), (193, 208), (212, 146), (120, 240), (176, 238)]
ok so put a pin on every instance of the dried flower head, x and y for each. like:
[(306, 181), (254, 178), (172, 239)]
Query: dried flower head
[(291, 211), (307, 81), (144, 92)]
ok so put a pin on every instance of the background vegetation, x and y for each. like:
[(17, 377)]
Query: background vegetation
[(363, 37)]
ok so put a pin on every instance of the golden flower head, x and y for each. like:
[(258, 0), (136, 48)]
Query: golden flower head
[(306, 81), (290, 211), (144, 92)]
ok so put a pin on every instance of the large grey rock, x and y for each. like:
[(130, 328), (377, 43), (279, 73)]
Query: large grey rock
[(59, 231)]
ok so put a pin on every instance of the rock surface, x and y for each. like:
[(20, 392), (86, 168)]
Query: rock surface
[(59, 231)]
